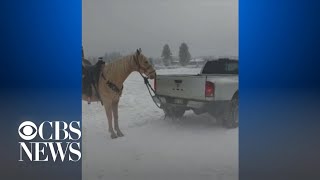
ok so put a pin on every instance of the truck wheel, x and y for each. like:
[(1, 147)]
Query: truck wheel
[(232, 116), (173, 112)]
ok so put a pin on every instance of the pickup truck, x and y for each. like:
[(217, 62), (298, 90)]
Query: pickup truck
[(214, 90)]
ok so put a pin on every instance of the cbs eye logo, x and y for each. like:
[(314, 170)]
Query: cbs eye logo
[(27, 130)]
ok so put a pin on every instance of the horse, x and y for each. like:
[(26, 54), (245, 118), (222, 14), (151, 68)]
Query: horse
[(110, 85)]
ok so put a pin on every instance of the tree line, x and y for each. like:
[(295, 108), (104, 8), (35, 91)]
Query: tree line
[(184, 55), (108, 57)]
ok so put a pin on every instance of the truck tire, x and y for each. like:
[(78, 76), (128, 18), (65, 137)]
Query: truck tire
[(232, 116), (173, 112)]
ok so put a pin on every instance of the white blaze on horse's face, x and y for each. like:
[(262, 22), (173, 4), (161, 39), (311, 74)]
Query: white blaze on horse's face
[(146, 67)]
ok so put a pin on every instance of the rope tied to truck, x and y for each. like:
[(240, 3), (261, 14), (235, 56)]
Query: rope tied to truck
[(149, 87)]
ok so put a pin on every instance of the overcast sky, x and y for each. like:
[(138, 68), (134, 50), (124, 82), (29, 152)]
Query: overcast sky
[(209, 27)]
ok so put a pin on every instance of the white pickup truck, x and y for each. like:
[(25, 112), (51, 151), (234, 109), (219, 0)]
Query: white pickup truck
[(214, 90)]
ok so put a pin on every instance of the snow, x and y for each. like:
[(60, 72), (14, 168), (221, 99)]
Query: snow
[(193, 147), (197, 60)]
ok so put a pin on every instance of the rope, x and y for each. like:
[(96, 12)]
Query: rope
[(146, 82)]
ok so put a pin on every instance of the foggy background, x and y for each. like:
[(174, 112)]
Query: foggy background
[(209, 27)]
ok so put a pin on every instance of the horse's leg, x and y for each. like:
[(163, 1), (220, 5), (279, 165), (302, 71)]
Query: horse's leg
[(116, 117), (108, 108)]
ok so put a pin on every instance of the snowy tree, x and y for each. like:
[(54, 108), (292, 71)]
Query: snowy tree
[(110, 57), (151, 61), (166, 55), (184, 54), (106, 58), (94, 60), (115, 56)]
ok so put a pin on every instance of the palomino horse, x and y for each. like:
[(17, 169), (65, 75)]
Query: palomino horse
[(111, 82)]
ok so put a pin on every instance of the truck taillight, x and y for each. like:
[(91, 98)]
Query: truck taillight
[(209, 90)]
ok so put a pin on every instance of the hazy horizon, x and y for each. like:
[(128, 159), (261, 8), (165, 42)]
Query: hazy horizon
[(209, 27)]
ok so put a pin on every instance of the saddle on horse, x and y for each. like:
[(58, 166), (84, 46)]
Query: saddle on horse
[(90, 78)]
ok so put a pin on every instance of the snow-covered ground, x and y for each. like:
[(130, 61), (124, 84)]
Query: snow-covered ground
[(154, 148)]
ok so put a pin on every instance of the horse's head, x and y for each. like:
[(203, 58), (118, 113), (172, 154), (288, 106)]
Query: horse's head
[(144, 66)]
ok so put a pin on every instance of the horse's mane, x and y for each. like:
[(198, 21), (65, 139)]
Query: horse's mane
[(120, 63), (123, 58)]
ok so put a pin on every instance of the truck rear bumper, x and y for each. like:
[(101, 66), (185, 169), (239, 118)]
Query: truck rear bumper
[(203, 106), (180, 102)]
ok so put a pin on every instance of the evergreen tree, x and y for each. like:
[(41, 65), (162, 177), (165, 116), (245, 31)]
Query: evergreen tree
[(106, 58), (184, 54), (113, 56), (166, 55), (110, 57), (151, 61)]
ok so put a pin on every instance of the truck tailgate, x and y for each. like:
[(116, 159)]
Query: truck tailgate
[(181, 86)]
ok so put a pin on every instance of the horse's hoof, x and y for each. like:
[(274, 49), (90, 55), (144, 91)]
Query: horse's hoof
[(119, 134), (113, 136)]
